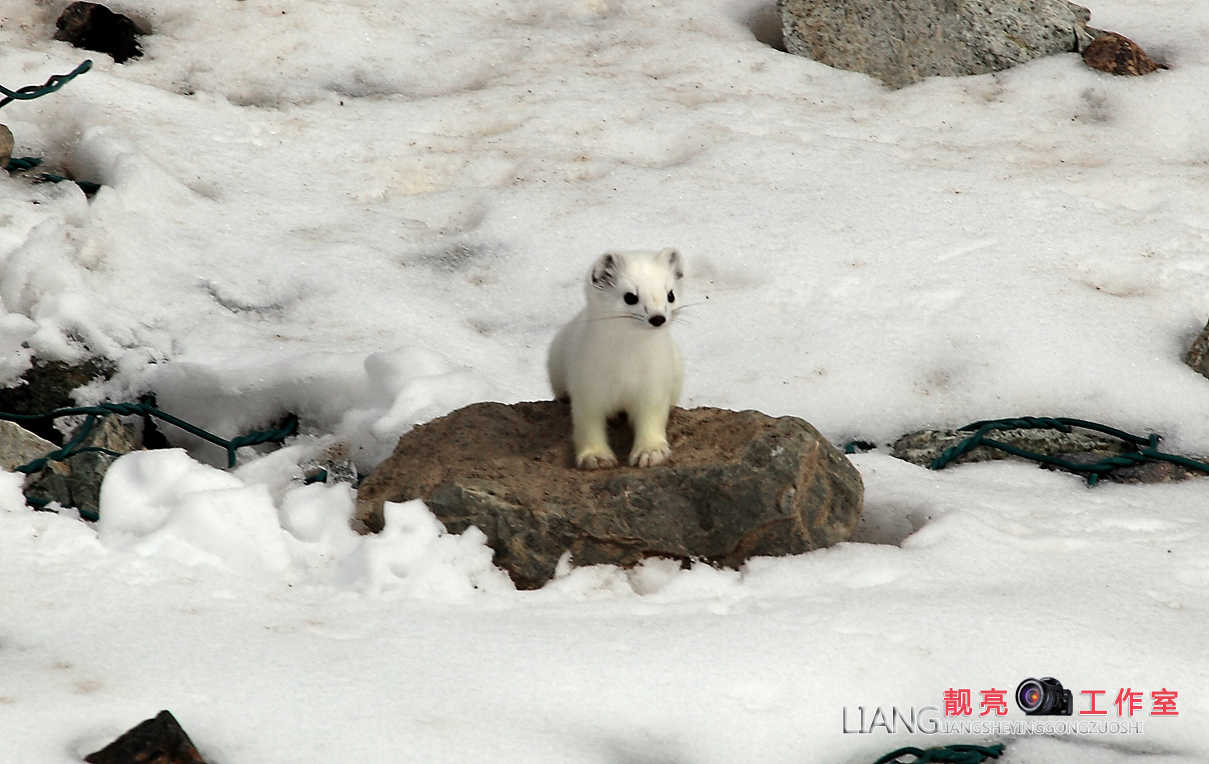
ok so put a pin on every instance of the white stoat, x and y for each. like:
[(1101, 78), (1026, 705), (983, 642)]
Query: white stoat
[(618, 355)]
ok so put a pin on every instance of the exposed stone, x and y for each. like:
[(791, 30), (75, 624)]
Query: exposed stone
[(903, 41), (76, 481), (19, 446), (1198, 354), (47, 386), (95, 27), (1077, 447), (1117, 54), (924, 446), (155, 741), (1153, 472), (738, 485), (6, 146)]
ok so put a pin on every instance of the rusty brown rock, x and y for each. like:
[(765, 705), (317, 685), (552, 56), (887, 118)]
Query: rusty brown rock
[(739, 484), (1117, 54)]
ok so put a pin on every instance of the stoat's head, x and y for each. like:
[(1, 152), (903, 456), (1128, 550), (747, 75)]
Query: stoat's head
[(644, 286)]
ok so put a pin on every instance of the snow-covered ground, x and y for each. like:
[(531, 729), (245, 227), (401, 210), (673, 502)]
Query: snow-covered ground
[(371, 212)]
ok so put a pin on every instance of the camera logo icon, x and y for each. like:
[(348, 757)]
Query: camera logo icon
[(1043, 697)]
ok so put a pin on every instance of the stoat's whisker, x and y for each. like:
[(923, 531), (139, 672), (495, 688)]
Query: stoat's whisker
[(592, 319)]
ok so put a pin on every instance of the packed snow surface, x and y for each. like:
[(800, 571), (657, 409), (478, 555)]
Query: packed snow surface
[(369, 213)]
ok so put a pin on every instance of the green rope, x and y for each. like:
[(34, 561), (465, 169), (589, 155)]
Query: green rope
[(289, 427), (21, 164), (43, 505), (87, 186), (56, 81), (1147, 452), (949, 754)]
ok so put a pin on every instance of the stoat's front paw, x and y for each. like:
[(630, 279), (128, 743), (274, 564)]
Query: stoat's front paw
[(650, 457), (596, 460)]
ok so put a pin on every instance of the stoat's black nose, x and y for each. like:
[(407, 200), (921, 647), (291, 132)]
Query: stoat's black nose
[(657, 320)]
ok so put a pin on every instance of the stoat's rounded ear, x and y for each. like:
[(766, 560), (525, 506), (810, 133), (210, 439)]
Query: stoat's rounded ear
[(674, 261), (605, 270)]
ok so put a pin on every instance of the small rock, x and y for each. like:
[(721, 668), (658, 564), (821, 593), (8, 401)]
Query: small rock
[(1076, 447), (6, 146), (330, 472), (903, 41), (1198, 355), (95, 27), (1153, 472), (155, 741), (1117, 54), (19, 446), (924, 446), (47, 386), (738, 485), (76, 481)]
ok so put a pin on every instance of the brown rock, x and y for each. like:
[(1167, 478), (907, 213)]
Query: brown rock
[(1117, 54), (6, 146), (95, 27), (155, 741), (738, 485), (1198, 355)]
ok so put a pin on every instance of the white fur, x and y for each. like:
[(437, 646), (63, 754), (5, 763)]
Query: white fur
[(610, 358)]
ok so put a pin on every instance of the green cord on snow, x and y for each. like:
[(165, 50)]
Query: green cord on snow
[(30, 92), (289, 427), (1147, 451), (56, 81), (949, 754), (21, 164)]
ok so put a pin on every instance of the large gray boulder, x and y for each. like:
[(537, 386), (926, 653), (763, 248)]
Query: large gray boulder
[(738, 485), (903, 41)]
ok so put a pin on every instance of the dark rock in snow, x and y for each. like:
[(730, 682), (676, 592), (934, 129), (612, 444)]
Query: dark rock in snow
[(1117, 54), (95, 27), (903, 41), (738, 485), (46, 387), (155, 741)]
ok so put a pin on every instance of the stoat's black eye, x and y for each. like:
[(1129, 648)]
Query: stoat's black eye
[(671, 296), (631, 298)]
